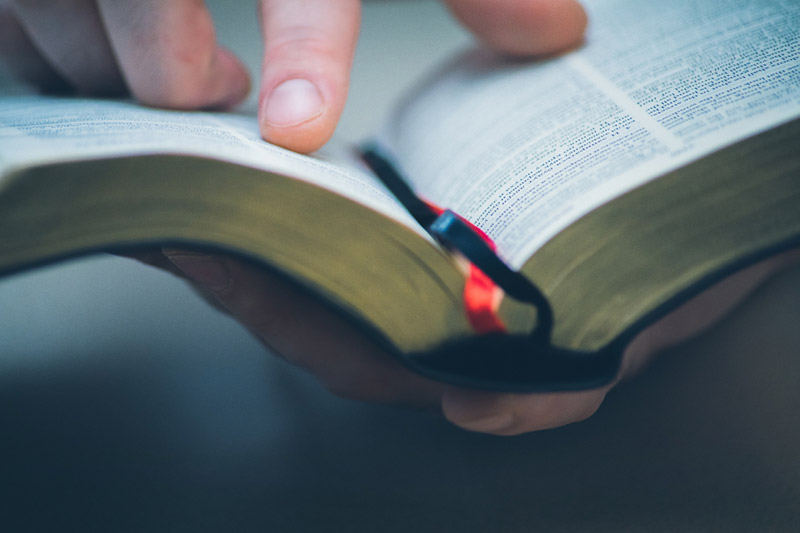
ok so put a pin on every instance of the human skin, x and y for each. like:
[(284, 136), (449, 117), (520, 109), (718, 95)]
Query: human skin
[(165, 54), (296, 326)]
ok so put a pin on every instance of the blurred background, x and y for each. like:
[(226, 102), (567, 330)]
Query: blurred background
[(127, 404)]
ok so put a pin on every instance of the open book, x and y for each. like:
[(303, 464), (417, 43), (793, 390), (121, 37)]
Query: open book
[(619, 180)]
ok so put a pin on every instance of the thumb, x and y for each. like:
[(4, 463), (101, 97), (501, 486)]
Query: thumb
[(308, 52)]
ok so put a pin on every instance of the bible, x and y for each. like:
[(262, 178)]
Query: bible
[(514, 224)]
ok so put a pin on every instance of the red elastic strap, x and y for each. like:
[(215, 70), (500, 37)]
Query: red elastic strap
[(481, 294)]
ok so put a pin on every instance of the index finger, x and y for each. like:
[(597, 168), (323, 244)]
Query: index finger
[(308, 53)]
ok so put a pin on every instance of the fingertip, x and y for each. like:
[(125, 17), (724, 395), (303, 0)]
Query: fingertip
[(234, 76), (295, 114), (507, 414), (308, 52), (219, 83), (478, 411), (524, 27), (209, 271), (170, 57)]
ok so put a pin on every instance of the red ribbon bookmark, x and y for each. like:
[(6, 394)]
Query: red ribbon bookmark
[(482, 296)]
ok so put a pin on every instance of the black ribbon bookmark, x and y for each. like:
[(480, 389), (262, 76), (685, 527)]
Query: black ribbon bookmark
[(451, 230), (454, 233), (510, 362), (388, 174)]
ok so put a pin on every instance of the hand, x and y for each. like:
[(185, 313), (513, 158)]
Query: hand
[(294, 325), (164, 52)]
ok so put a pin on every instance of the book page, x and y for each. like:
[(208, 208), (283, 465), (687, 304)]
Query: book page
[(524, 149), (38, 130)]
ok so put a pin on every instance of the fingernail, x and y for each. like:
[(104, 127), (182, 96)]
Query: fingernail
[(490, 424), (205, 270), (293, 102)]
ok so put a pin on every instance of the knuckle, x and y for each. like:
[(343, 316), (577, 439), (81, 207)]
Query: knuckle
[(357, 384), (175, 70), (299, 44), (264, 320)]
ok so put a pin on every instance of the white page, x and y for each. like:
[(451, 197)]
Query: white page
[(37, 129), (523, 150)]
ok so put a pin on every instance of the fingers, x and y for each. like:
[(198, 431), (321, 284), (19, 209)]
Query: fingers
[(701, 312), (169, 54), (70, 37), (308, 334), (511, 414), (523, 27), (305, 332), (164, 53), (308, 52), (514, 414)]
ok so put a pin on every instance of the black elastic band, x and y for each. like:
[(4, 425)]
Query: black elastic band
[(453, 232), (388, 174)]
